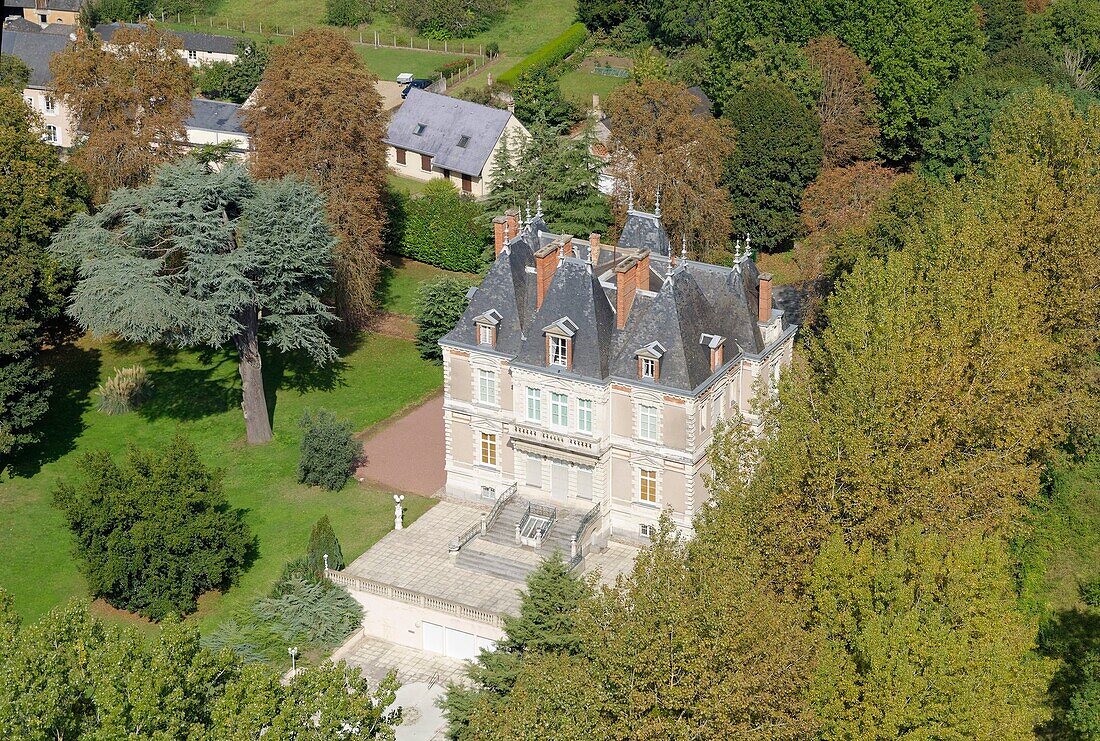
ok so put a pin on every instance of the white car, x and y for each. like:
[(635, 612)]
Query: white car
[(405, 78)]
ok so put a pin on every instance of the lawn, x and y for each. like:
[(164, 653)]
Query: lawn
[(400, 279), (579, 87), (387, 64), (198, 395)]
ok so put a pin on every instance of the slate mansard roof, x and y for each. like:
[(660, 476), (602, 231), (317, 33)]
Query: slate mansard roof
[(687, 305), (36, 50), (459, 135)]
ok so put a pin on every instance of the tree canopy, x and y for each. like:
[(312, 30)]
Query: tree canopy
[(204, 257)]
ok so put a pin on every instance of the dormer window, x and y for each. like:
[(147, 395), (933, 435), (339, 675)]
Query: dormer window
[(559, 342), (420, 128), (649, 361), (715, 345), (464, 141), (487, 327)]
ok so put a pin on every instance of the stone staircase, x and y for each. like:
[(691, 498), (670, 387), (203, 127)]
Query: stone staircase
[(496, 553)]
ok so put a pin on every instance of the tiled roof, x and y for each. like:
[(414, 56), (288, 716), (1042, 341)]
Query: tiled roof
[(36, 50), (214, 115), (191, 41), (459, 135), (687, 307)]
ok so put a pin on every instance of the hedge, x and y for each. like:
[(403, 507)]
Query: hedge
[(449, 68), (443, 228), (549, 54)]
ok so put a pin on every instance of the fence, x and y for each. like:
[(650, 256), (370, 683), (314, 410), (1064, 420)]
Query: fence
[(609, 71), (360, 35)]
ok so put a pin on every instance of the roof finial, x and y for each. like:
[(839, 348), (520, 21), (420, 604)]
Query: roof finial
[(657, 208), (737, 250), (630, 203), (683, 248), (528, 210), (748, 237), (538, 206)]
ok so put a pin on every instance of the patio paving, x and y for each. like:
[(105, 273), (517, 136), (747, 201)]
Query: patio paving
[(407, 454)]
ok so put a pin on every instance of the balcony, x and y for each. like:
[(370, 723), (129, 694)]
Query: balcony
[(558, 440)]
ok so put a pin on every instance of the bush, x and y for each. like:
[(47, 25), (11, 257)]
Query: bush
[(155, 532), (549, 54), (322, 541), (439, 305), (346, 12), (329, 451), (492, 49), (444, 228), (14, 72), (457, 65), (449, 19), (124, 391), (213, 78)]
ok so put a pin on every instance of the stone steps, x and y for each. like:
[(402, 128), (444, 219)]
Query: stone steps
[(494, 565)]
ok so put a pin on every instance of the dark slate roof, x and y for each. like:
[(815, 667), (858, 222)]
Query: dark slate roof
[(644, 231), (36, 50), (704, 108), (61, 29), (19, 23), (214, 115), (445, 122), (685, 303), (69, 5), (191, 41)]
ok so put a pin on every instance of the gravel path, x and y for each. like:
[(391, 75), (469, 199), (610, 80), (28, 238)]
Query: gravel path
[(407, 454)]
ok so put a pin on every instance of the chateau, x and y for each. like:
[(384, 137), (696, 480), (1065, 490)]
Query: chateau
[(591, 376)]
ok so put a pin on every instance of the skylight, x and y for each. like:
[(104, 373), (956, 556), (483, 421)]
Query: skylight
[(463, 141), (420, 129)]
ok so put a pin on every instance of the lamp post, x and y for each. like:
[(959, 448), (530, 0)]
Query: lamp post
[(397, 500), (293, 660)]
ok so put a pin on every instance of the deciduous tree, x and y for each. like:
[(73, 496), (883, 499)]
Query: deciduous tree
[(127, 104), (154, 533), (38, 194), (318, 115), (846, 105), (14, 72), (657, 144), (203, 258)]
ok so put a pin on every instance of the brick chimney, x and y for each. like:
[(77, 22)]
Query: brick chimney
[(546, 264), (765, 313), (594, 247), (643, 271), (499, 224), (626, 283), (512, 218), (565, 242)]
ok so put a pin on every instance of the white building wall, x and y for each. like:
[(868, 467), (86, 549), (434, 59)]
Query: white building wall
[(403, 624)]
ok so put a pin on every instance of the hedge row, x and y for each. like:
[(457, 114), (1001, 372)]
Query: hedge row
[(441, 227), (451, 67), (549, 54)]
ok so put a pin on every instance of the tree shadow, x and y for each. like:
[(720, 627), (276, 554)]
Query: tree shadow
[(1070, 635), (188, 394), (165, 355), (297, 371), (76, 374)]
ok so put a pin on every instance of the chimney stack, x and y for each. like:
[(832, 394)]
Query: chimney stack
[(499, 224), (765, 313), (565, 242), (594, 248), (626, 283), (512, 217), (642, 281), (546, 264)]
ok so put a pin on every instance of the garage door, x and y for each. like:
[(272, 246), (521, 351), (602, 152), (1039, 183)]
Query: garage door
[(485, 644), (433, 638), (459, 644)]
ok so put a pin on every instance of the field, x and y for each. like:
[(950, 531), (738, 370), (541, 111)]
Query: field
[(198, 395), (579, 87)]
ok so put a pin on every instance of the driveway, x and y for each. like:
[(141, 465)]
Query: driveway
[(407, 454)]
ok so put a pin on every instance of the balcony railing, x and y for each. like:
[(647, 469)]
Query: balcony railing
[(558, 440), (479, 528)]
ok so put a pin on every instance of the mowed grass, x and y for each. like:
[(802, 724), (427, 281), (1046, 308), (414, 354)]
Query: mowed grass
[(579, 87), (401, 278), (198, 395), (387, 64)]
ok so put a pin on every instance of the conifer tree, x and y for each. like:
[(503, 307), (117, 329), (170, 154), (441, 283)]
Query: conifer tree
[(201, 258), (322, 542)]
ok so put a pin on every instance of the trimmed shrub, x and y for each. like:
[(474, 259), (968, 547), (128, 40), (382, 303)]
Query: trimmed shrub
[(549, 54), (322, 541), (124, 391), (445, 228), (439, 305), (328, 451)]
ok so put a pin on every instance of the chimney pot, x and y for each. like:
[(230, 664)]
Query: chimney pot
[(765, 309), (594, 248), (512, 218), (499, 225)]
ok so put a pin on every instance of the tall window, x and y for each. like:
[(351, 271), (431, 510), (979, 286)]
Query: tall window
[(647, 422), (488, 449), (584, 415), (647, 486), (649, 368), (486, 387), (49, 104), (716, 407), (534, 405), (51, 134), (485, 334), (559, 410), (559, 351)]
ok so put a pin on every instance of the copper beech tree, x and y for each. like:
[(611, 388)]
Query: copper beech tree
[(128, 104), (656, 143), (846, 104), (318, 115)]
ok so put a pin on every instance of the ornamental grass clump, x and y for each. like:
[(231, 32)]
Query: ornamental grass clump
[(124, 391)]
